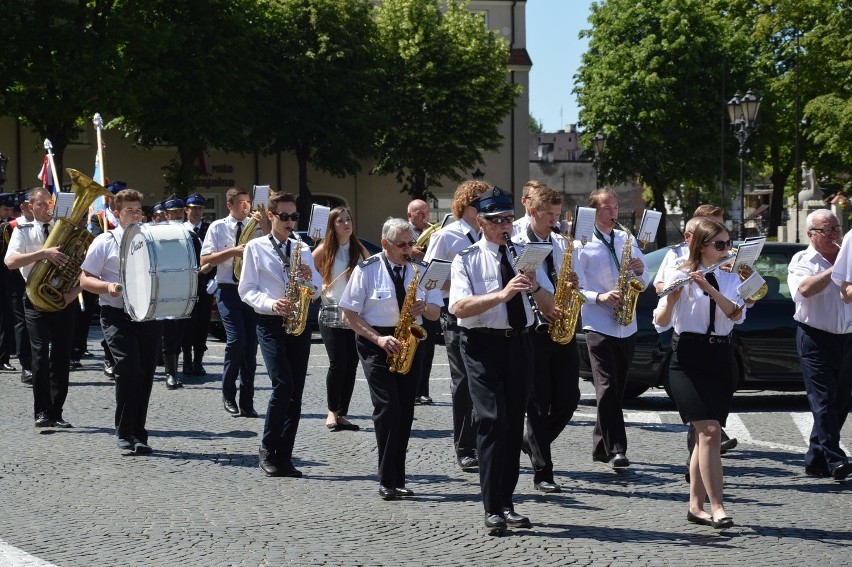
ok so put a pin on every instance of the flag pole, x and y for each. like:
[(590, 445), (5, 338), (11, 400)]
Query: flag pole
[(99, 127), (49, 148)]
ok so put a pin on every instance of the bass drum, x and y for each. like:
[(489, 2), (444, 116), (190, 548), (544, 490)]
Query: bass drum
[(158, 271)]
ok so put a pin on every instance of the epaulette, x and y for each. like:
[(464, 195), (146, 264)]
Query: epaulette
[(467, 250), (370, 260), (27, 225), (419, 263)]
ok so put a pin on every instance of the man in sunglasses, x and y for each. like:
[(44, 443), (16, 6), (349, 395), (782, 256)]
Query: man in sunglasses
[(824, 342), (488, 297), (263, 286)]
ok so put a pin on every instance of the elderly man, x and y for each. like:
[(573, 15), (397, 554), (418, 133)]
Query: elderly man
[(824, 342), (418, 216)]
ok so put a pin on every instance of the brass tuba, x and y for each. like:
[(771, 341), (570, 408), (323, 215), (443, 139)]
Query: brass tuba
[(567, 299), (628, 284), (407, 331), (47, 283), (246, 235), (300, 293)]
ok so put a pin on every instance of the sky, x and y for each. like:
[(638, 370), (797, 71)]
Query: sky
[(553, 27)]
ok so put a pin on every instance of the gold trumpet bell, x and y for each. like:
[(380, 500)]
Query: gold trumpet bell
[(745, 272)]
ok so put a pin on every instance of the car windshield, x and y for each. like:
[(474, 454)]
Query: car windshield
[(653, 261)]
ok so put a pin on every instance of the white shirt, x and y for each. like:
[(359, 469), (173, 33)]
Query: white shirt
[(222, 235), (843, 264), (102, 261), (675, 256), (476, 271), (824, 310), (520, 225), (338, 278), (26, 238), (560, 243), (691, 313), (598, 264), (370, 292), (265, 278), (449, 241)]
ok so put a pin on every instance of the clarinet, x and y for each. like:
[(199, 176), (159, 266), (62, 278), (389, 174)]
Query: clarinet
[(540, 325)]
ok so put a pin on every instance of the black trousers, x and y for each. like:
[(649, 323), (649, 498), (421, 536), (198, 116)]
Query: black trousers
[(553, 399), (464, 432), (393, 407), (610, 360), (7, 318), (51, 355), (198, 326), (17, 293), (82, 321), (173, 333), (342, 367), (432, 328), (134, 347), (498, 369)]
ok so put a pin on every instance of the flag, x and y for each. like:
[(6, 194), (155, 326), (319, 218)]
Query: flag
[(205, 166), (45, 175), (100, 203)]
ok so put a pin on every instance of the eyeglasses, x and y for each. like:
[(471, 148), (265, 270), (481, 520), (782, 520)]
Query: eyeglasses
[(720, 244), (828, 230), (501, 220), (285, 216), (411, 244)]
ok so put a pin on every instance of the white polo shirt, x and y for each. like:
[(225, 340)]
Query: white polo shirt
[(825, 310)]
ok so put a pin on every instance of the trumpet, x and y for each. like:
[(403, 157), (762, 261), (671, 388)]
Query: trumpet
[(540, 325)]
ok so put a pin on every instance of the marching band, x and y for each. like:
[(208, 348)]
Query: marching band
[(508, 330)]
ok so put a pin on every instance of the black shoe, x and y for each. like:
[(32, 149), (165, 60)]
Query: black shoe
[(290, 471), (74, 365), (43, 421), (109, 371), (87, 354), (402, 492), (27, 377), (7, 367), (727, 445), (424, 401), (841, 472), (124, 444), (819, 473), (188, 370), (495, 524), (387, 493), (515, 520), (62, 423), (548, 487), (141, 448), (197, 369), (267, 462), (230, 406), (247, 412), (346, 426), (722, 523), (171, 382), (468, 463), (693, 519), (620, 461)]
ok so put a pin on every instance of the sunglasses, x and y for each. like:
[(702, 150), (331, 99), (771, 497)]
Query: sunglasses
[(720, 244), (411, 244), (501, 220), (286, 216), (829, 230)]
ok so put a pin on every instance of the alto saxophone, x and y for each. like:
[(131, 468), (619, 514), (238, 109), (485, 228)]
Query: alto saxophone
[(246, 235), (567, 299), (300, 292), (628, 284), (407, 332)]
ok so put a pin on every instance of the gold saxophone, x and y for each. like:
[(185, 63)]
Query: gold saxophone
[(47, 283), (407, 332), (246, 235), (628, 284), (424, 237), (567, 299), (300, 292)]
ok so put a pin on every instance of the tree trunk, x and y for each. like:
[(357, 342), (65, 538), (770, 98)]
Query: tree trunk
[(186, 175), (303, 203), (658, 191), (780, 174)]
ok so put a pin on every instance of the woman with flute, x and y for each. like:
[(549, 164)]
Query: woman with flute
[(701, 371)]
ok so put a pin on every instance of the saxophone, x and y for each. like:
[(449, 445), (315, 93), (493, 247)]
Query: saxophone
[(567, 299), (300, 292), (246, 235), (47, 283), (628, 284), (407, 331)]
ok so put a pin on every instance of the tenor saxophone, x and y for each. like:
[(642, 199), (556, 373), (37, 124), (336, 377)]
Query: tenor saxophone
[(567, 299), (628, 284), (300, 292), (407, 332), (246, 235)]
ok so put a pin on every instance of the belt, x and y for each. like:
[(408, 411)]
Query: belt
[(226, 284), (501, 332), (709, 339)]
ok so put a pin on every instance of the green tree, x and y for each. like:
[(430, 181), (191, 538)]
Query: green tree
[(323, 82), (650, 81), (448, 91), (536, 127)]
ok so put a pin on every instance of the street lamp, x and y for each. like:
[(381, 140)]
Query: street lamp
[(599, 144), (743, 112)]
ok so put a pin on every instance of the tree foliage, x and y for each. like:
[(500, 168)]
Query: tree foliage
[(446, 74)]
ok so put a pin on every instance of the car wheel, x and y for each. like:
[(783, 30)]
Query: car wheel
[(633, 390)]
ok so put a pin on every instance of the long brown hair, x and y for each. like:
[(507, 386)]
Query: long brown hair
[(357, 252), (703, 233)]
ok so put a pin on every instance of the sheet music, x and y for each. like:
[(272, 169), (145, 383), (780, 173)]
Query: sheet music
[(63, 206), (436, 275), (584, 224), (750, 286), (319, 222), (748, 252), (261, 197), (533, 255), (649, 225)]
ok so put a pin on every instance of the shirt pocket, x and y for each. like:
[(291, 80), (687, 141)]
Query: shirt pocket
[(491, 284)]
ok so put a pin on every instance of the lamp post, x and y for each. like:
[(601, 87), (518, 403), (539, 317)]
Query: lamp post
[(599, 144), (743, 113)]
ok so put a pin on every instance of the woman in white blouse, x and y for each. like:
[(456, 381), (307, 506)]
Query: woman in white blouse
[(335, 258), (703, 313)]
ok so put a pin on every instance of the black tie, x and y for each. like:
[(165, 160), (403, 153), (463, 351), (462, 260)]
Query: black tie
[(515, 306), (45, 228), (398, 285), (195, 230), (239, 232), (711, 279)]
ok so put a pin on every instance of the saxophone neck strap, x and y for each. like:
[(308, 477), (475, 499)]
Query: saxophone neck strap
[(285, 257), (609, 244)]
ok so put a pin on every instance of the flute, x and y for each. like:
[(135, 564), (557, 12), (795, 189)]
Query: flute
[(683, 282)]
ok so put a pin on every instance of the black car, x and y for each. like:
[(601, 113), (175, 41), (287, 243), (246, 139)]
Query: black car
[(217, 330), (765, 343)]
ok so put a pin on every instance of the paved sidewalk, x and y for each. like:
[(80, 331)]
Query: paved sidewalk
[(71, 498)]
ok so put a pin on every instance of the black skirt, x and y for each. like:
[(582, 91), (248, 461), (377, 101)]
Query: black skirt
[(701, 376)]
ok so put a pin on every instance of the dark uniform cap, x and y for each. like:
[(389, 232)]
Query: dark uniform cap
[(23, 197), (8, 199), (116, 186), (173, 203), (195, 200), (157, 207), (495, 202)]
